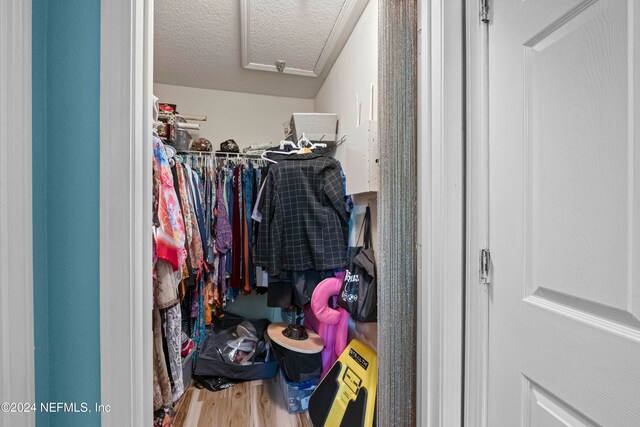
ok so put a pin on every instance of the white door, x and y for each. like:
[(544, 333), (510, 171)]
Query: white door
[(564, 125)]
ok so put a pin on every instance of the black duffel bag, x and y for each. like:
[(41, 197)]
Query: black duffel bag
[(235, 348)]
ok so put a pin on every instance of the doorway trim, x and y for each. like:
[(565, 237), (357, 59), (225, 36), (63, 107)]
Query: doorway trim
[(441, 212), (477, 294), (125, 208), (126, 58), (17, 370)]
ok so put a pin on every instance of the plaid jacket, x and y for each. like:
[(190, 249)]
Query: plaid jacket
[(305, 224)]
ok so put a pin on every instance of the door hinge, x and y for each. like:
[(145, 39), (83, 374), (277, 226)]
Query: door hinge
[(485, 263), (484, 11)]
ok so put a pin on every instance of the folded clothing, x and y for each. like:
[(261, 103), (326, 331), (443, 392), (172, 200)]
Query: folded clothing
[(186, 348)]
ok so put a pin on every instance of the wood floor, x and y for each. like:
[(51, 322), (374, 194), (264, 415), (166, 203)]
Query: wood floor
[(249, 404)]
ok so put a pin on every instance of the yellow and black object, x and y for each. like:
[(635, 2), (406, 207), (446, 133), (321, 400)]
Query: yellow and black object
[(346, 397)]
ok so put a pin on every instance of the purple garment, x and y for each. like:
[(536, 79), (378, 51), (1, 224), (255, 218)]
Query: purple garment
[(223, 227), (228, 179), (223, 235), (222, 273)]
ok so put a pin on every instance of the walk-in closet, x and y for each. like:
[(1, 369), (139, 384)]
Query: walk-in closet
[(265, 179)]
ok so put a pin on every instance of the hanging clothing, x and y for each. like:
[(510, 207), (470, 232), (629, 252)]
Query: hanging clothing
[(199, 328), (197, 193), (222, 233), (194, 242), (209, 188), (294, 288), (304, 221), (168, 213), (162, 395), (259, 204), (229, 199), (248, 184), (236, 272), (173, 334), (166, 288), (170, 255), (246, 284)]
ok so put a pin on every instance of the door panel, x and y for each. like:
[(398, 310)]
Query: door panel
[(564, 337), (577, 115), (544, 409)]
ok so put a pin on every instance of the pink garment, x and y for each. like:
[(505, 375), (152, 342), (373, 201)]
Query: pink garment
[(331, 324), (169, 213)]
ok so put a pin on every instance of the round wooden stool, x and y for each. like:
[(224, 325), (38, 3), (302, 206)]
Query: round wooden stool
[(311, 345)]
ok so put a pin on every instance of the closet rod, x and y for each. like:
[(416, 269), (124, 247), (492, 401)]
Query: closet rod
[(208, 153), (188, 126), (195, 117)]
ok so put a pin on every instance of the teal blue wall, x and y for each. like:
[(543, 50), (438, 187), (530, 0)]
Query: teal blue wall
[(66, 147)]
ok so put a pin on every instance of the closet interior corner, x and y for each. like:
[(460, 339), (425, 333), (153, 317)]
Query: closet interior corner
[(265, 179)]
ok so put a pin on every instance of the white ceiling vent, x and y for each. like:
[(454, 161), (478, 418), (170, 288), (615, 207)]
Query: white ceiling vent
[(305, 35)]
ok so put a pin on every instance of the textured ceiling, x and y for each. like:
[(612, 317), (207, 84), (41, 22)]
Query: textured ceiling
[(197, 43)]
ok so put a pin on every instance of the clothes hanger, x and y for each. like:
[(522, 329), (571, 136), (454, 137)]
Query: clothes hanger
[(171, 153), (309, 146), (263, 155), (285, 143), (305, 145), (320, 143), (304, 140), (285, 153)]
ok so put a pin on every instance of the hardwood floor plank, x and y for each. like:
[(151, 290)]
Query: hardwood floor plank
[(181, 408), (193, 410), (304, 420), (280, 406), (249, 404)]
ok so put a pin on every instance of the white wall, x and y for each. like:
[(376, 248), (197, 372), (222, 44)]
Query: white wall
[(246, 118), (351, 78), (353, 73)]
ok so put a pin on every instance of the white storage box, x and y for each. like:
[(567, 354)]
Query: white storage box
[(314, 126)]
